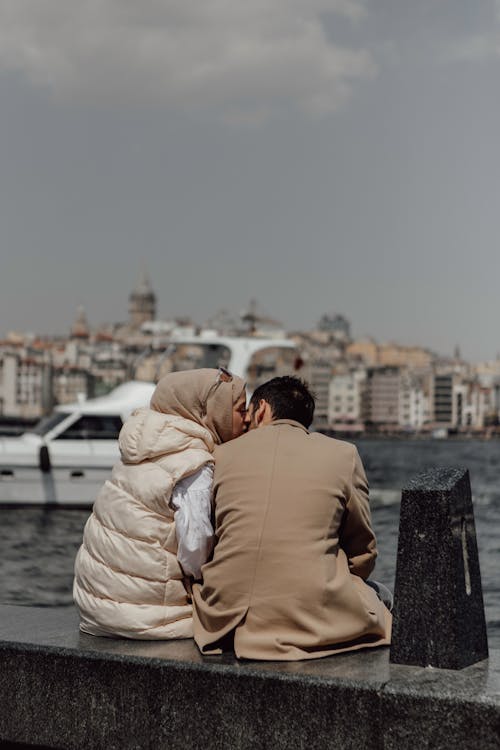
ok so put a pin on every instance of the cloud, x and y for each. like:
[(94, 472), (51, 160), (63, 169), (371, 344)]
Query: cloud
[(476, 48), (479, 47), (244, 58)]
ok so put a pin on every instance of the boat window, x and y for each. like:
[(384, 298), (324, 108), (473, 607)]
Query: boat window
[(93, 427), (47, 424), (272, 362), (194, 356)]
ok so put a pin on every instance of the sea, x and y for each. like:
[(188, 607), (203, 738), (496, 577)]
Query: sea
[(38, 546)]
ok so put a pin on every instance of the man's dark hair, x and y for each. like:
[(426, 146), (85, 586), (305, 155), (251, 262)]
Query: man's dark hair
[(288, 397)]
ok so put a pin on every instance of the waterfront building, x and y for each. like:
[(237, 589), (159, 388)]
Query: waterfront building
[(413, 402), (487, 375), (345, 399), (23, 379), (463, 412), (74, 353), (318, 373), (489, 404), (70, 384), (412, 357), (461, 403), (443, 413), (381, 398), (372, 354), (110, 366), (321, 354), (363, 352), (474, 405)]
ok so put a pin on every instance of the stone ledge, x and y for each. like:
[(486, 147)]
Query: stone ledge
[(63, 689)]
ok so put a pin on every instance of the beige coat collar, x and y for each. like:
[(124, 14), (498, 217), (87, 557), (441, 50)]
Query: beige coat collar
[(290, 422)]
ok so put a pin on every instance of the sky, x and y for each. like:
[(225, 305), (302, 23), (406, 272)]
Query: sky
[(320, 156)]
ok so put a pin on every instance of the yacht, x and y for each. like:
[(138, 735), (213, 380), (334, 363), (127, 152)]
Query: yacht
[(65, 459)]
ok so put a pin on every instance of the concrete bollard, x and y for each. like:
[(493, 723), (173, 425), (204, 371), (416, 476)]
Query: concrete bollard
[(438, 600)]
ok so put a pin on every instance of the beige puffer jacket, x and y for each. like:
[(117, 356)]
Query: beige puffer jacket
[(127, 579)]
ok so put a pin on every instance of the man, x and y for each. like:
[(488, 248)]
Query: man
[(295, 543)]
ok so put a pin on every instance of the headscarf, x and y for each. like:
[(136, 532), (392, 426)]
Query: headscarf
[(202, 396)]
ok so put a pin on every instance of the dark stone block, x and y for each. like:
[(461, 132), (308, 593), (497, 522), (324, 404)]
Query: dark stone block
[(438, 601)]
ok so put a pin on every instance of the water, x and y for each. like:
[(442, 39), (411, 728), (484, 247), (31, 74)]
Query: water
[(38, 546)]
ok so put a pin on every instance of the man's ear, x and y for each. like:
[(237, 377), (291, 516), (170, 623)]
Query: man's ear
[(263, 413)]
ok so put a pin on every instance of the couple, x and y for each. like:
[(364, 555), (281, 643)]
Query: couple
[(294, 543)]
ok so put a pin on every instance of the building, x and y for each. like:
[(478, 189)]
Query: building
[(345, 399), (319, 375), (337, 326), (363, 351), (70, 384), (413, 357), (473, 405), (390, 355), (24, 383), (442, 399), (381, 398), (80, 328), (142, 303), (413, 402)]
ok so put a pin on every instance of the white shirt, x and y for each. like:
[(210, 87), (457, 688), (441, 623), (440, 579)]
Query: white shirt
[(192, 503)]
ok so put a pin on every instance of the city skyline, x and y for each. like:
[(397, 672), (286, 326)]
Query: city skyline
[(80, 316), (326, 156)]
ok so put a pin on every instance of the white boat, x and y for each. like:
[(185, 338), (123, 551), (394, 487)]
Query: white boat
[(440, 433), (65, 459), (68, 455)]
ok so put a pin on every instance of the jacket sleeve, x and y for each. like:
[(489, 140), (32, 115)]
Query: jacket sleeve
[(356, 536)]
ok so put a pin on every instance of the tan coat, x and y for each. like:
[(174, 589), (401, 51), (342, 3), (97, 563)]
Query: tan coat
[(294, 545)]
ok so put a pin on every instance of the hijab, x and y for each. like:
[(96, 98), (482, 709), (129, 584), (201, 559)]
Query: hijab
[(203, 396)]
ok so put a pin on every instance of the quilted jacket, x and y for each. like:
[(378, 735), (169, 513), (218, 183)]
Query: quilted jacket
[(128, 581)]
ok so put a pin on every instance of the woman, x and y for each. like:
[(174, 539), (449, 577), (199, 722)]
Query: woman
[(129, 570)]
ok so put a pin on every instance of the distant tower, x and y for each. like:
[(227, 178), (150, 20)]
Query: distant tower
[(80, 328), (250, 317), (337, 325), (142, 302)]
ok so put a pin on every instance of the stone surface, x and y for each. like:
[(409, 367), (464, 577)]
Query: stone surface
[(63, 689), (440, 709), (438, 602)]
